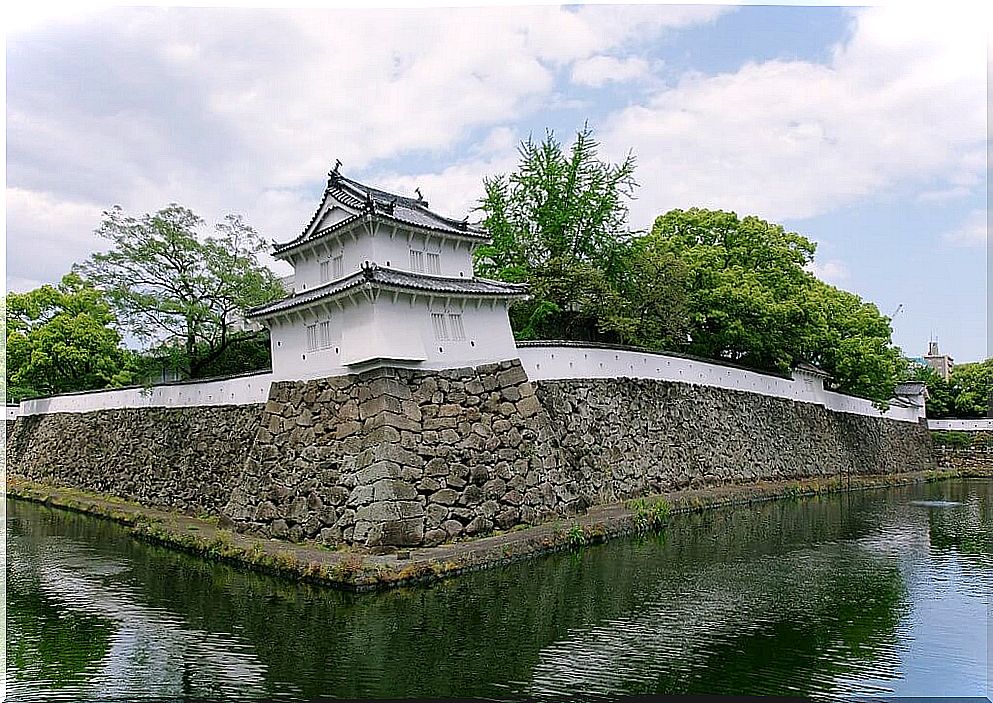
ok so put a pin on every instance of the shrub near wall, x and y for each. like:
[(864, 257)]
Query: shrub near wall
[(185, 459), (954, 439)]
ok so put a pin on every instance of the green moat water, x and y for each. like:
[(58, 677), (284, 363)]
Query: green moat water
[(881, 592)]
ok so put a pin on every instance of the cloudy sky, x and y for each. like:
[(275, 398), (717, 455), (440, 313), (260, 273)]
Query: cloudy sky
[(864, 129)]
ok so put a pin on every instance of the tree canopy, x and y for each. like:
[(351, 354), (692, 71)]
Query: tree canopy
[(557, 223), (751, 299), (61, 339), (167, 282), (966, 393), (705, 282)]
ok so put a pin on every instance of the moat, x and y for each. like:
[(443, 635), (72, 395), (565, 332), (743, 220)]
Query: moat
[(879, 592)]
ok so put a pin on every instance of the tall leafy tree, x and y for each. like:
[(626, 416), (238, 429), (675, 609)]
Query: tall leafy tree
[(649, 308), (941, 394), (751, 299), (852, 341), (746, 285), (60, 339), (967, 393), (702, 281), (559, 222), (167, 281), (972, 386)]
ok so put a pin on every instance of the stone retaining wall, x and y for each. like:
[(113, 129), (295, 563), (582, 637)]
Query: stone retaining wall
[(185, 459), (405, 457), (964, 459), (629, 437)]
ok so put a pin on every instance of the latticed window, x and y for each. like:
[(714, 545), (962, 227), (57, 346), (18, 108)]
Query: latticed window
[(440, 328), (312, 337), (325, 270), (417, 260), (324, 333), (433, 262), (338, 265), (455, 325)]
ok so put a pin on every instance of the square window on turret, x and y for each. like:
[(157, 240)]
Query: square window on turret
[(455, 323), (440, 327), (417, 260), (433, 263)]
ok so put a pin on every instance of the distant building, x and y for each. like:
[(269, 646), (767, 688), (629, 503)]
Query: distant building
[(941, 363), (379, 279)]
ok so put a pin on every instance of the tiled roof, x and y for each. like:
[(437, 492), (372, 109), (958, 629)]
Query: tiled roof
[(387, 207), (808, 368), (910, 388), (376, 276)]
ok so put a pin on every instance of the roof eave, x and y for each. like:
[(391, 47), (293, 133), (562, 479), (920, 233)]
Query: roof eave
[(361, 284), (338, 228)]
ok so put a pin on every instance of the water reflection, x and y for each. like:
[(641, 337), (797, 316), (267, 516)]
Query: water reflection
[(818, 597)]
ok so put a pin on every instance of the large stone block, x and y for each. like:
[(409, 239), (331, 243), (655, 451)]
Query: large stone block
[(393, 489)]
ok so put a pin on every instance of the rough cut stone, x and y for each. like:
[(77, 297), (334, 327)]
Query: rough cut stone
[(398, 456)]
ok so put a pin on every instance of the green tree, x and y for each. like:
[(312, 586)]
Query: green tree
[(751, 299), (972, 386), (966, 393), (850, 340), (649, 307), (746, 283), (558, 223), (166, 281), (941, 394), (61, 339), (704, 282)]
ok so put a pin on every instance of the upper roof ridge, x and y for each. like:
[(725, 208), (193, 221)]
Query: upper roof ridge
[(402, 209)]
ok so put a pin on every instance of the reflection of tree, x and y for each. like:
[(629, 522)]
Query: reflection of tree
[(797, 638), (45, 642), (965, 529), (765, 589), (145, 651)]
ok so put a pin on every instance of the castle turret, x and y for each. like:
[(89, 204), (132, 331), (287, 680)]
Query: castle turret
[(379, 279)]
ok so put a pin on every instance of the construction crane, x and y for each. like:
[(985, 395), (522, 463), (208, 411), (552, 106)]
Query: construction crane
[(897, 311)]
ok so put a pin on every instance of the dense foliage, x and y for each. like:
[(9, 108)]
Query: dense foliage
[(701, 281), (165, 281), (966, 394), (245, 352), (751, 300), (956, 439), (60, 339)]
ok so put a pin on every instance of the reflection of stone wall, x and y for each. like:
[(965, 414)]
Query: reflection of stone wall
[(184, 459), (403, 457), (409, 457)]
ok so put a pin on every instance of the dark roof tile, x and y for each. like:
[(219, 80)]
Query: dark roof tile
[(377, 276), (387, 207)]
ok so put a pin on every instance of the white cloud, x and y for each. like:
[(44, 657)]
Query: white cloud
[(901, 102), (53, 233), (971, 233), (944, 194), (244, 110), (833, 271), (598, 70), (456, 190)]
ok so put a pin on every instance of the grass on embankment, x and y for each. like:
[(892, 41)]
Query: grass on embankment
[(361, 569)]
